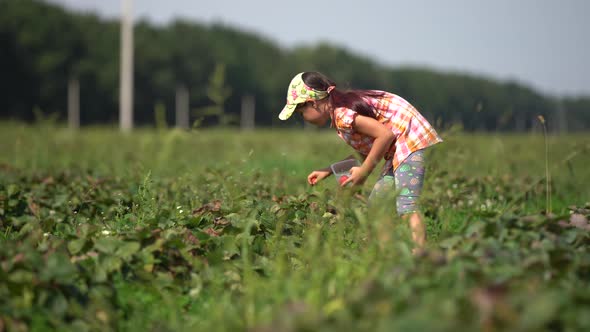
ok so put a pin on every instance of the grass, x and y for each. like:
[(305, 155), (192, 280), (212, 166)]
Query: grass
[(217, 230)]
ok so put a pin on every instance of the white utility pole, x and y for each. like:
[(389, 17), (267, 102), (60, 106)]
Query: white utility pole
[(247, 114), (126, 69), (182, 107), (74, 103), (561, 118)]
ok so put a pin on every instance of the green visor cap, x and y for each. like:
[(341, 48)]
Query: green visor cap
[(297, 93)]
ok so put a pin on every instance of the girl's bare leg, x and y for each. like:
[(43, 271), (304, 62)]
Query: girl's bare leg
[(418, 230)]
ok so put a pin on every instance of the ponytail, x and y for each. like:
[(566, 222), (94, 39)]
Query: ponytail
[(352, 99)]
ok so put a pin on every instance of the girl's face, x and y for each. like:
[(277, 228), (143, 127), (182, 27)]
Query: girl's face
[(314, 112)]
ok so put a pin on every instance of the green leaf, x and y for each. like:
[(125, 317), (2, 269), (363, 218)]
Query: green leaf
[(450, 242), (11, 189), (111, 263), (108, 245), (86, 230), (59, 305), (127, 249), (100, 274), (21, 276), (75, 246), (58, 268), (540, 310)]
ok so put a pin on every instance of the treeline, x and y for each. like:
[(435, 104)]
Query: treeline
[(43, 47)]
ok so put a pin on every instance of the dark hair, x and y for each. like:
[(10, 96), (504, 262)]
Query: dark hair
[(352, 99)]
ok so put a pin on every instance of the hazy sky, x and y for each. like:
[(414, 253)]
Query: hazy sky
[(544, 44)]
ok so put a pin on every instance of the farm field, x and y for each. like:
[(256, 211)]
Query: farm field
[(217, 230)]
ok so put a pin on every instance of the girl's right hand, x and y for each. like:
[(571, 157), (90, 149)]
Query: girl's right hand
[(314, 177)]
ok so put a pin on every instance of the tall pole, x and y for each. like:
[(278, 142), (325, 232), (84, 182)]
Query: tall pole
[(182, 106), (74, 103), (247, 114), (126, 61), (561, 117)]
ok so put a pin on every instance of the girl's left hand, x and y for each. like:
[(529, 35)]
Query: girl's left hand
[(357, 177)]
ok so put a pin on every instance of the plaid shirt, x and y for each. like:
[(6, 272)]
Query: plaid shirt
[(412, 131)]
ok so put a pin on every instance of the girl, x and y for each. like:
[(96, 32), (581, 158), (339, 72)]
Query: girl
[(378, 125)]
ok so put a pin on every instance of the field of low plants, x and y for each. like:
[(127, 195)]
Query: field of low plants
[(217, 230)]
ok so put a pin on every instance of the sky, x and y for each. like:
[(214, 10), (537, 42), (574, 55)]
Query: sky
[(540, 43)]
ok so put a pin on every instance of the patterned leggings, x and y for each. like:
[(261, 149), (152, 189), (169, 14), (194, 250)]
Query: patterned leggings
[(408, 179)]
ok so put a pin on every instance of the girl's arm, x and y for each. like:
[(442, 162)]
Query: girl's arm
[(351, 156), (325, 172), (384, 138)]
